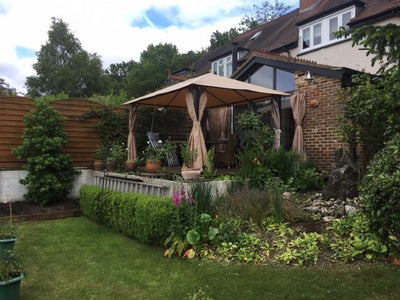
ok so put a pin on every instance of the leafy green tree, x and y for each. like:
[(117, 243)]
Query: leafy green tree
[(116, 77), (381, 42), (64, 66), (50, 172), (219, 39), (151, 72), (380, 191), (259, 14), (5, 89), (372, 110)]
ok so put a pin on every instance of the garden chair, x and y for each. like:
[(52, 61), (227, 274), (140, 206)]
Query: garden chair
[(154, 140), (226, 155)]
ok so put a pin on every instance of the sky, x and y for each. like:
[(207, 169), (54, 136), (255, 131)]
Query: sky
[(117, 30)]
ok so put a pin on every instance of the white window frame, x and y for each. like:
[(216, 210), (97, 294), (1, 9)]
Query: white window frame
[(222, 66), (325, 30)]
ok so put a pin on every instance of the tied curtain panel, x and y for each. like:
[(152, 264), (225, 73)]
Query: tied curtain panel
[(298, 103), (132, 154), (196, 138)]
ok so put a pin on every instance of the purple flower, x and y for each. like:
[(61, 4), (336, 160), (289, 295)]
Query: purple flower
[(181, 195), (177, 198)]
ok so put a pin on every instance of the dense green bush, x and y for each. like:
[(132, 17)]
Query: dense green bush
[(50, 172), (380, 191), (153, 216), (261, 165), (143, 217), (307, 177)]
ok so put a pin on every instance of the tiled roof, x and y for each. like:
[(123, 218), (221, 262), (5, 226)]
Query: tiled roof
[(281, 34), (275, 34), (324, 8), (376, 8)]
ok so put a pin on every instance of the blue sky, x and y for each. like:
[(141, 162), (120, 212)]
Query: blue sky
[(117, 30)]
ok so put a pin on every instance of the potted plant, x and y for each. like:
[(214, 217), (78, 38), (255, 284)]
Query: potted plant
[(11, 274), (130, 164), (153, 156), (117, 157), (7, 234), (189, 157), (99, 158)]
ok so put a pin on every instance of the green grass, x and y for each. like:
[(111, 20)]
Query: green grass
[(76, 259)]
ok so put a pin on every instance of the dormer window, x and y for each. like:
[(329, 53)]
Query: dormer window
[(320, 33), (223, 66)]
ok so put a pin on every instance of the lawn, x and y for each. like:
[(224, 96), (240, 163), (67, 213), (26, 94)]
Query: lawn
[(76, 259)]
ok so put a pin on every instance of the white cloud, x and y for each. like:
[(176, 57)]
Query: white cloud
[(104, 27)]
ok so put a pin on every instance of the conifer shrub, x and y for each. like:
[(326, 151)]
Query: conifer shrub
[(380, 191), (50, 172)]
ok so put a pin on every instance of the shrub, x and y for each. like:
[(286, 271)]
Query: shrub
[(50, 172), (307, 177), (380, 191), (202, 195), (144, 217), (248, 203), (153, 216), (352, 238), (281, 163)]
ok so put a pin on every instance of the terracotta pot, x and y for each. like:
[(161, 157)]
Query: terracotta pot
[(130, 165), (98, 165), (190, 173), (394, 261), (111, 165), (153, 166)]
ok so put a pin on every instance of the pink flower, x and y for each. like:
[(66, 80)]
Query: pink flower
[(177, 198), (182, 195), (190, 199)]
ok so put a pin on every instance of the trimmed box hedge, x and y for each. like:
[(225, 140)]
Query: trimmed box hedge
[(144, 217)]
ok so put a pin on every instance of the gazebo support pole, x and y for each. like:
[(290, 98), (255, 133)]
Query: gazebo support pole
[(196, 98)]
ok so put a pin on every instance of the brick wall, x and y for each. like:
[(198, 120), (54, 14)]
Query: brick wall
[(320, 124)]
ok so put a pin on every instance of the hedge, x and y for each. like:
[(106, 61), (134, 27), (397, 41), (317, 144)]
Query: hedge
[(144, 217)]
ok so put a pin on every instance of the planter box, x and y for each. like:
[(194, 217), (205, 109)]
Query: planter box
[(10, 289), (7, 244)]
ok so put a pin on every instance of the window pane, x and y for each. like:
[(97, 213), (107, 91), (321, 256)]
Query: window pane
[(263, 77), (346, 19), (228, 72), (214, 67), (221, 67), (306, 38), (333, 27), (317, 34), (284, 81)]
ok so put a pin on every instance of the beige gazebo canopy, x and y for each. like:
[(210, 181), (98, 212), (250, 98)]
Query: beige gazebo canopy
[(199, 93)]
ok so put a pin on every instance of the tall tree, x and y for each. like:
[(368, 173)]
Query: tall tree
[(5, 89), (260, 13), (63, 66), (152, 70), (219, 39), (255, 15), (116, 77), (372, 116)]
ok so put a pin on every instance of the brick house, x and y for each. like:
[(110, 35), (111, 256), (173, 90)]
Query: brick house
[(298, 52)]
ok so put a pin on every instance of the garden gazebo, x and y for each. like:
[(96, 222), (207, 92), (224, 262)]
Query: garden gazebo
[(197, 94)]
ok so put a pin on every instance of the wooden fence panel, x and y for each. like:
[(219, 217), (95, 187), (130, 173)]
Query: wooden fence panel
[(83, 140)]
